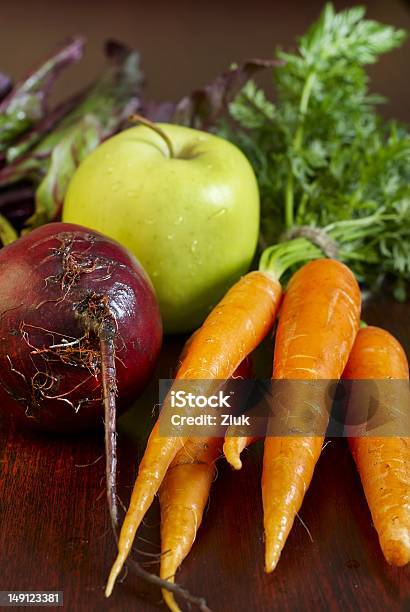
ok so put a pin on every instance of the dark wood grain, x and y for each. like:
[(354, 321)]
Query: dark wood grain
[(54, 527)]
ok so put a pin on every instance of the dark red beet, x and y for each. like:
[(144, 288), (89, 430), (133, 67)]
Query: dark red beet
[(79, 326), (62, 287)]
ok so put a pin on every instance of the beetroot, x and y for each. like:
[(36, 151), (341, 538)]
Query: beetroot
[(79, 325)]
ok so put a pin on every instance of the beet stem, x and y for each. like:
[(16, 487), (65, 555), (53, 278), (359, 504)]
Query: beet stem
[(173, 587), (109, 382)]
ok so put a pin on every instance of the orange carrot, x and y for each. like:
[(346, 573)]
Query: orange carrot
[(383, 462), (234, 445), (183, 496), (317, 327), (231, 331)]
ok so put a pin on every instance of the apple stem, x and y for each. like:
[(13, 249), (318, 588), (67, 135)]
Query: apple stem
[(154, 126)]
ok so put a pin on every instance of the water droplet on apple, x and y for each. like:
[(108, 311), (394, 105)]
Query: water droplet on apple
[(218, 213), (170, 237), (178, 221), (155, 273), (194, 245)]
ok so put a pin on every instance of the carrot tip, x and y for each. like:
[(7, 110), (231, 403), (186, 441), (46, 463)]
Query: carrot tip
[(108, 589), (396, 552), (272, 554), (269, 568), (170, 600), (236, 463), (115, 570), (232, 457)]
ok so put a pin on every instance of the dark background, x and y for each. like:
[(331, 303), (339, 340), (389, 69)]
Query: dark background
[(183, 44), (54, 526)]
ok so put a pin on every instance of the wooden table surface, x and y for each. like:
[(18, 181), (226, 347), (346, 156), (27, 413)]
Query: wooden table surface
[(54, 527)]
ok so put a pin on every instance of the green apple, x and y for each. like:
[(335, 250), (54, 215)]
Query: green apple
[(185, 202)]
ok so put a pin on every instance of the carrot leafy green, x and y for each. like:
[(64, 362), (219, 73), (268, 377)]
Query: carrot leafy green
[(324, 158)]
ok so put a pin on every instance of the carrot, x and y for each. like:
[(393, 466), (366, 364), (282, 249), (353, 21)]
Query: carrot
[(316, 330), (383, 462), (231, 331), (234, 445), (183, 496)]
